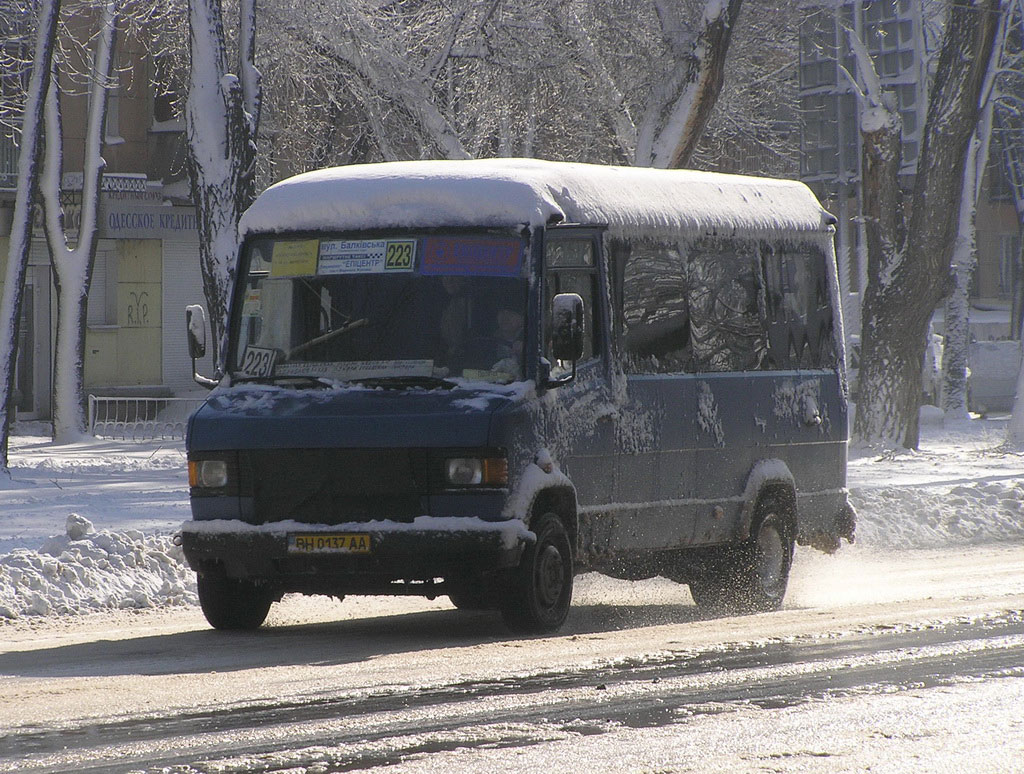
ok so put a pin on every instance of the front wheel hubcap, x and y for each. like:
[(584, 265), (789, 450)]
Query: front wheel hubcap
[(550, 575)]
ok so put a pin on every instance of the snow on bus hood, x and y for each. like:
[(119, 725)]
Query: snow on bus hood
[(268, 416)]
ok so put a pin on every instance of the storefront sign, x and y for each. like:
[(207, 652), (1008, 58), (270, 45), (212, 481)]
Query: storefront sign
[(125, 220)]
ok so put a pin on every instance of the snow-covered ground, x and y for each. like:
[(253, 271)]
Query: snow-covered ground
[(91, 526)]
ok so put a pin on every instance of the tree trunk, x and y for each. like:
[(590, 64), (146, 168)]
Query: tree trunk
[(909, 275), (884, 353), (21, 227), (679, 109), (221, 133), (69, 412), (72, 267), (956, 347), (1015, 427), (956, 351)]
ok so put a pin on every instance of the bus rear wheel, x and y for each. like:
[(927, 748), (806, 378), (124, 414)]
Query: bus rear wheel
[(754, 577), (541, 590)]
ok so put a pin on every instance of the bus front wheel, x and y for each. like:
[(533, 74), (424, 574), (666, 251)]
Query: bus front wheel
[(541, 590)]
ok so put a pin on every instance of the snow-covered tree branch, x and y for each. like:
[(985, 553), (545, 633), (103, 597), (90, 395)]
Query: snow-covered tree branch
[(681, 105)]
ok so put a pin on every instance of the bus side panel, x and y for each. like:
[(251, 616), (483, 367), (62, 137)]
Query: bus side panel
[(654, 489), (796, 417), (686, 448)]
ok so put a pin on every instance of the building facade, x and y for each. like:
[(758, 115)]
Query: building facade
[(147, 262)]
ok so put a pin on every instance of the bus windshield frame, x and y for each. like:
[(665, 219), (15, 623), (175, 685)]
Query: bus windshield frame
[(424, 307)]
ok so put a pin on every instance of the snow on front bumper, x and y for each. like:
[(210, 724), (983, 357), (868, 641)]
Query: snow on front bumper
[(427, 547)]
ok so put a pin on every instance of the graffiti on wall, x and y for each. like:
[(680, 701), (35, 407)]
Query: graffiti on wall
[(138, 309)]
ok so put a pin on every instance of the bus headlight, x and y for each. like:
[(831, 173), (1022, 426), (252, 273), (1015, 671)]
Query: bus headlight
[(208, 474), (476, 471)]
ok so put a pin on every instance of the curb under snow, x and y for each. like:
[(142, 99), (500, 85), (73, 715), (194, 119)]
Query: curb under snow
[(921, 516)]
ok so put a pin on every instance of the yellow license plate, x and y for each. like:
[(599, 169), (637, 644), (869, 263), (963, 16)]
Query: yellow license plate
[(329, 543)]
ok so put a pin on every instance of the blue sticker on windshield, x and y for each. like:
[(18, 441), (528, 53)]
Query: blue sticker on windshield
[(472, 256)]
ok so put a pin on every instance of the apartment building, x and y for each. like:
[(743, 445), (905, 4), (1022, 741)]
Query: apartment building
[(900, 35)]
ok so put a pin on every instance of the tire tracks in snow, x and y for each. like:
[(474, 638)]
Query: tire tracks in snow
[(362, 729)]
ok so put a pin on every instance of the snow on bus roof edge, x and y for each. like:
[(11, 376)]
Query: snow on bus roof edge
[(502, 192)]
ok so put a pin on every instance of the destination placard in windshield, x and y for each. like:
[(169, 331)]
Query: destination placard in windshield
[(472, 256), (367, 256), (466, 256)]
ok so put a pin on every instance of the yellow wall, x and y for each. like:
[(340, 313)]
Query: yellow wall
[(130, 352)]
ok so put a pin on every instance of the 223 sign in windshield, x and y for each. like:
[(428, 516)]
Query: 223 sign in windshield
[(368, 256), (258, 362), (398, 256)]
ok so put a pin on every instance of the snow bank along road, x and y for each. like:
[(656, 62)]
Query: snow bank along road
[(902, 653)]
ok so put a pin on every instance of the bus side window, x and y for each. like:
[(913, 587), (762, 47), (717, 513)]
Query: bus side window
[(655, 315), (726, 294), (799, 312), (571, 267)]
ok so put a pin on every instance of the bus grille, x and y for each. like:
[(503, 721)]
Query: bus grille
[(334, 486)]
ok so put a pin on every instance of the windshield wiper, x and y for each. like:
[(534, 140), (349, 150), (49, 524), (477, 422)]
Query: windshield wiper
[(349, 326), (317, 381), (402, 382)]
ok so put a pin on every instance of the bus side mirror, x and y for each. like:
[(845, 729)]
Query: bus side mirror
[(566, 336), (195, 325), (567, 327)]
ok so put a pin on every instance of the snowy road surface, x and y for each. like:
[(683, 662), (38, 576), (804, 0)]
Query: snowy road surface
[(903, 653), (908, 662)]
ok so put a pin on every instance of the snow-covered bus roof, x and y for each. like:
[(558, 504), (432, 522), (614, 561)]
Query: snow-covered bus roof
[(506, 192)]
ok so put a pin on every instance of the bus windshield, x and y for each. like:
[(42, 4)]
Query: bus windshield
[(404, 308)]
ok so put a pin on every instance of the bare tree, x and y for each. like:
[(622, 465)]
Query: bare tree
[(47, 14), (909, 252), (613, 81), (222, 118), (72, 264), (956, 345)]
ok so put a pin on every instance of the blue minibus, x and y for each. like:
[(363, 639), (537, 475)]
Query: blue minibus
[(481, 378)]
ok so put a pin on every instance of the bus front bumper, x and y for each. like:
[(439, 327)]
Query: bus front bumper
[(377, 557)]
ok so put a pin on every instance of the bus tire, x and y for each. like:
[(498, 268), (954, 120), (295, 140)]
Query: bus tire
[(232, 604), (754, 576), (540, 593)]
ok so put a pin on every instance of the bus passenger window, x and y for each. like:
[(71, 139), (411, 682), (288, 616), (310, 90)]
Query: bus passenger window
[(727, 301), (655, 313), (799, 315)]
